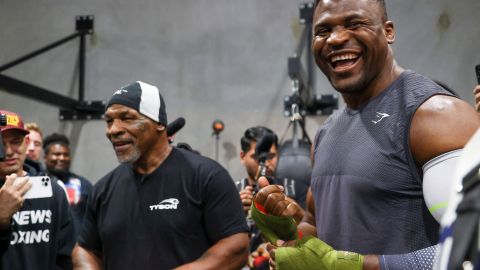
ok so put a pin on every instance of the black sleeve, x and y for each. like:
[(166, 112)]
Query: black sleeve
[(417, 260), (5, 236), (66, 233), (87, 189), (223, 211), (89, 237)]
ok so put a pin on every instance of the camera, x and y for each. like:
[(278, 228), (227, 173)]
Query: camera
[(3, 122)]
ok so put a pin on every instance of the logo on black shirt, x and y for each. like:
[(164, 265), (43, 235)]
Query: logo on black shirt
[(171, 203), (37, 232)]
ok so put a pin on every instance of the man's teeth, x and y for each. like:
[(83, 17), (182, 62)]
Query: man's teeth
[(344, 57)]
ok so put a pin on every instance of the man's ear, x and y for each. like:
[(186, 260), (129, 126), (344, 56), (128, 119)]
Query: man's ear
[(161, 127), (27, 140), (389, 29), (242, 157)]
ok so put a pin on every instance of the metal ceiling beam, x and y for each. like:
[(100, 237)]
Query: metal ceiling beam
[(70, 109)]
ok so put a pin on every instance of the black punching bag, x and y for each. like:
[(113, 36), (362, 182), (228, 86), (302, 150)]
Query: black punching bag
[(294, 169)]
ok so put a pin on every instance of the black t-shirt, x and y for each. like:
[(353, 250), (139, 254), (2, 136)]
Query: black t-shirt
[(165, 219), (78, 190)]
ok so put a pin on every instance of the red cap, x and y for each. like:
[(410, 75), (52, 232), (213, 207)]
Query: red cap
[(14, 121)]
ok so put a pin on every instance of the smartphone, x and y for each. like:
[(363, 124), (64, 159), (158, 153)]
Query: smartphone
[(41, 187), (477, 70)]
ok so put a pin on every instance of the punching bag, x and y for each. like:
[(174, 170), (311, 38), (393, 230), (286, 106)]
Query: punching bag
[(294, 169)]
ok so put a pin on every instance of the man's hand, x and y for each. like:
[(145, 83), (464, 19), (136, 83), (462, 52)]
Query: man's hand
[(275, 215), (274, 201), (313, 253), (272, 248), (12, 197), (246, 196), (476, 94), (259, 258)]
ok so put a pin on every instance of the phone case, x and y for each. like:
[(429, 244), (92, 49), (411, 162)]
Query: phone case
[(41, 188)]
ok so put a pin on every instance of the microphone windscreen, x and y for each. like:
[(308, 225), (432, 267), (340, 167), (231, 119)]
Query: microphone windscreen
[(175, 126), (263, 146)]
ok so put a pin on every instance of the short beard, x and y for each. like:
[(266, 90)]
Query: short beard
[(131, 158)]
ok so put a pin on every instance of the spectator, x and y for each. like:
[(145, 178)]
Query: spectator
[(34, 149), (57, 162), (247, 185), (34, 233), (163, 207)]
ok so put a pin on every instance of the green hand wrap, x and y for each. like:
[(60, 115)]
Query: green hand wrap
[(313, 253), (274, 228)]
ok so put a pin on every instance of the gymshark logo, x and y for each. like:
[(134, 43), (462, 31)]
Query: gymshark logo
[(380, 117), (120, 91), (171, 203)]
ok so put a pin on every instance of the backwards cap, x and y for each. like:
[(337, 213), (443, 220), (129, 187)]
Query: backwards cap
[(142, 97)]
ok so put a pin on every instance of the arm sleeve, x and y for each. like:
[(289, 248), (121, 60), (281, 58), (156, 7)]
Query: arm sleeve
[(223, 211), (422, 259), (438, 182)]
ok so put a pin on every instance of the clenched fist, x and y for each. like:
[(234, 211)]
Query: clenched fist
[(246, 196), (274, 201)]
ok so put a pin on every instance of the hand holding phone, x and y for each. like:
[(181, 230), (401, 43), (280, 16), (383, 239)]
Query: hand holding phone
[(10, 202)]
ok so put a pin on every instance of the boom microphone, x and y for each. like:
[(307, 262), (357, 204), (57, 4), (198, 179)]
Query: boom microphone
[(175, 126)]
